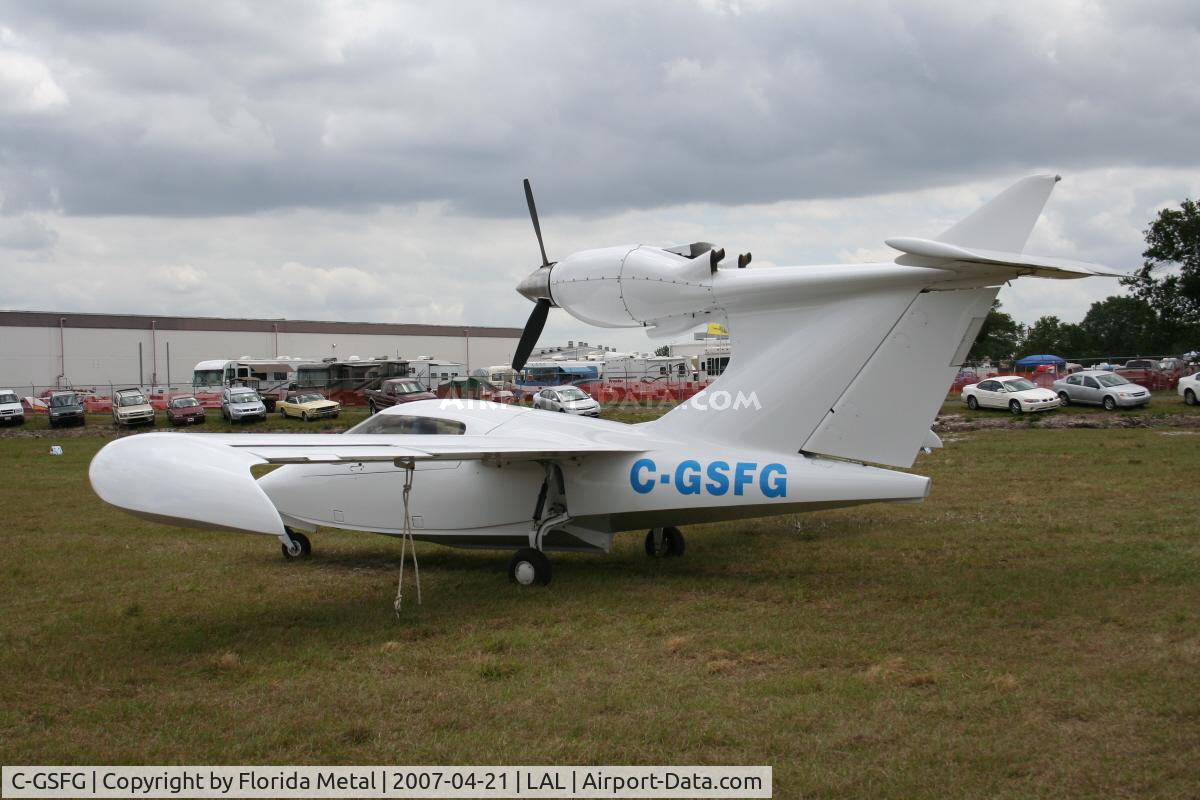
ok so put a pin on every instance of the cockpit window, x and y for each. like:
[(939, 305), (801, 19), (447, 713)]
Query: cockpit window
[(402, 423)]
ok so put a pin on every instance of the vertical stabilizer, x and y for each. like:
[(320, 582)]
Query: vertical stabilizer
[(1005, 223)]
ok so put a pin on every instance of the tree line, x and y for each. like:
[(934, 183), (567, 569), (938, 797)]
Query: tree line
[(1159, 316)]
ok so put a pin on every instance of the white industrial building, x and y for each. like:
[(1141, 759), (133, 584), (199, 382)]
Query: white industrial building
[(46, 349)]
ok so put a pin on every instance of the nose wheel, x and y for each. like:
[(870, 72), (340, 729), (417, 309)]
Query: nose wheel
[(529, 567), (664, 542), (297, 546)]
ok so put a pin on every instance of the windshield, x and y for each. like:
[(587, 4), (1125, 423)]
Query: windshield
[(402, 423), (1111, 380), (8, 397), (312, 377), (306, 398), (60, 400), (131, 400), (1019, 385), (243, 397), (208, 377), (184, 402), (571, 393), (407, 387)]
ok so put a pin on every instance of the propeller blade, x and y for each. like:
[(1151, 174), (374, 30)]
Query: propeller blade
[(537, 228), (529, 336)]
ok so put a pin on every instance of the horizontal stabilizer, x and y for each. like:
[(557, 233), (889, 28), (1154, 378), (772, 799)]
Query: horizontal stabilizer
[(945, 255)]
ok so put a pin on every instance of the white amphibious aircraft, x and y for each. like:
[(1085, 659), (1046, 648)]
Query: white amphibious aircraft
[(867, 353)]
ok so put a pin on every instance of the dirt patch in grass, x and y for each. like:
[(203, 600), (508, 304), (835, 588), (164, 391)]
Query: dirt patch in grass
[(953, 423)]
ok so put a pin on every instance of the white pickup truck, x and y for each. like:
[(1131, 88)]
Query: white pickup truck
[(11, 411)]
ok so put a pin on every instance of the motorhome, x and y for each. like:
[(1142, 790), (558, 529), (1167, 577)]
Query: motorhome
[(626, 368), (432, 372), (270, 377), (347, 381)]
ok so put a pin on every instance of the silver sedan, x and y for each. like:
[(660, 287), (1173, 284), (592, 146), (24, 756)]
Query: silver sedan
[(1101, 388), (567, 399)]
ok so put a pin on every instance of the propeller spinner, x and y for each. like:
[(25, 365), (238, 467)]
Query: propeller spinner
[(536, 287)]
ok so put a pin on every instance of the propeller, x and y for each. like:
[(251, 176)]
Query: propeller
[(536, 287), (529, 336), (537, 227)]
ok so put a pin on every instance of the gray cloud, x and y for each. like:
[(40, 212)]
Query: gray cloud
[(363, 161), (188, 109)]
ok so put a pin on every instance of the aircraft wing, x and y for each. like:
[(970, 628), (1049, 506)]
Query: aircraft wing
[(204, 479)]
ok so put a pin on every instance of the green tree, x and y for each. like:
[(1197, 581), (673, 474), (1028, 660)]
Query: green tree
[(998, 339), (1044, 336), (1121, 326), (1169, 280), (665, 350)]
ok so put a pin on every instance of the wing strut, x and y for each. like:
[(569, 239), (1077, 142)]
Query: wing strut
[(406, 537)]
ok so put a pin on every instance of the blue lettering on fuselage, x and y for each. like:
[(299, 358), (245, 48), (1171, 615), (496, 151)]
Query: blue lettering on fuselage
[(715, 478)]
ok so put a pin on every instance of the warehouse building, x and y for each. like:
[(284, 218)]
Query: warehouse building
[(47, 349)]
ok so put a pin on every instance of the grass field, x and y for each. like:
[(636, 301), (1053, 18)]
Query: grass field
[(1032, 630)]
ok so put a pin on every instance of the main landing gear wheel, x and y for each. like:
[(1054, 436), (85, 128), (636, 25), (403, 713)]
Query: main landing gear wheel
[(663, 542), (300, 548), (529, 566)]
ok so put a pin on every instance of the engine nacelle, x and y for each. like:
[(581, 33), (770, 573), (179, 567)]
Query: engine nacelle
[(631, 286)]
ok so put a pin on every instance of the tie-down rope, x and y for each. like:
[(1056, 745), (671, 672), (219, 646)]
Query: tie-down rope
[(406, 539)]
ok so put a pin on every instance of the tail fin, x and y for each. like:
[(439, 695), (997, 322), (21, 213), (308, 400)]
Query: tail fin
[(995, 235), (853, 361), (1004, 223)]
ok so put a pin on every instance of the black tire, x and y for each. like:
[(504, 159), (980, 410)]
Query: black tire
[(304, 416), (673, 544), (300, 539), (1014, 406), (1064, 398), (972, 403), (1110, 404), (528, 567), (1189, 397), (371, 410)]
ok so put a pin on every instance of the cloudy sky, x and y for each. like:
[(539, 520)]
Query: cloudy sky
[(363, 161)]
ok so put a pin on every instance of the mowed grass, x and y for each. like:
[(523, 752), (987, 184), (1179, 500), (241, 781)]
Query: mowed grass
[(1032, 629)]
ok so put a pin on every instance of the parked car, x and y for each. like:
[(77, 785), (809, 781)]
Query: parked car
[(65, 408), (308, 405), (396, 391), (568, 400), (1189, 389), (185, 410), (130, 407), (1100, 388), (1013, 392), (11, 410), (241, 403)]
